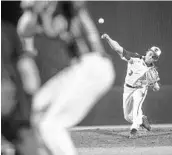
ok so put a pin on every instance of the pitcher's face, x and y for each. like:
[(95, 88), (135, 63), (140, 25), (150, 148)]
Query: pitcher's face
[(150, 57)]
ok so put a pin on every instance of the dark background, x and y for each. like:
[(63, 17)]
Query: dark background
[(136, 26)]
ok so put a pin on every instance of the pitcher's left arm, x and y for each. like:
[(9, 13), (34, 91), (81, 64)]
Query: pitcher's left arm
[(153, 79), (156, 86)]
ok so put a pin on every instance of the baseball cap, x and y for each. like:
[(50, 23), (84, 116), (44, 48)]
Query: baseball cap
[(156, 51)]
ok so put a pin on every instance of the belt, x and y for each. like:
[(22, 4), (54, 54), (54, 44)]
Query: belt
[(130, 86)]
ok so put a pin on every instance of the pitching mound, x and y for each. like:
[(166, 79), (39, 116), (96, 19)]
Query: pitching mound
[(113, 140)]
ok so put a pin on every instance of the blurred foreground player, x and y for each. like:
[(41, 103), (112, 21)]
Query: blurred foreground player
[(141, 74), (65, 99), (15, 103)]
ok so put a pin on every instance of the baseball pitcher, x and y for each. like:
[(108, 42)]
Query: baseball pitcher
[(141, 74)]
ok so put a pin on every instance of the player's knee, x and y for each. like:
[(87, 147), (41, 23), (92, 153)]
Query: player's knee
[(108, 75), (41, 100), (103, 69), (45, 126), (37, 99), (49, 125)]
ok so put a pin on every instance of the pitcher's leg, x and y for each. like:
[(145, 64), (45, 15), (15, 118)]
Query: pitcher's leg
[(139, 97), (127, 109), (128, 104), (145, 123)]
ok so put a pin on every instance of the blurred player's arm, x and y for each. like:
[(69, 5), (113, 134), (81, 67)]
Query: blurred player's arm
[(28, 22), (29, 73), (27, 25)]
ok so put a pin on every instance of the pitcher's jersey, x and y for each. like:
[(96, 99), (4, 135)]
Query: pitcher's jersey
[(136, 69)]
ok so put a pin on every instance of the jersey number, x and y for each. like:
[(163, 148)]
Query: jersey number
[(130, 73)]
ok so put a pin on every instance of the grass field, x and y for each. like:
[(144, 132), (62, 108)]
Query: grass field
[(114, 140)]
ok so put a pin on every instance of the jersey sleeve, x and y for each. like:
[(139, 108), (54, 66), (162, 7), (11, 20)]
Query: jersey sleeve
[(126, 55)]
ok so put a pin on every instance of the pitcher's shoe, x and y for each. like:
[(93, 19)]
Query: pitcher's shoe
[(133, 133), (145, 123)]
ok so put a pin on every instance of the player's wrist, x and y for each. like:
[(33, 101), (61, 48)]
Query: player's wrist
[(107, 37)]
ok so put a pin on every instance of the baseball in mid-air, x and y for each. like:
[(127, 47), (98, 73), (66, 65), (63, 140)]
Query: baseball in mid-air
[(101, 20)]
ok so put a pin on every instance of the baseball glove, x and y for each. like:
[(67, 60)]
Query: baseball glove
[(152, 76)]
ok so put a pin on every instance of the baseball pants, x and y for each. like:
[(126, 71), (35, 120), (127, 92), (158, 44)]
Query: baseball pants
[(133, 99)]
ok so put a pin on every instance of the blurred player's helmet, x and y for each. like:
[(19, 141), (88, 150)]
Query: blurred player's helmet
[(36, 6), (26, 4), (156, 51)]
